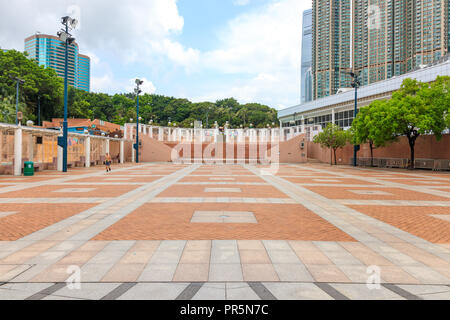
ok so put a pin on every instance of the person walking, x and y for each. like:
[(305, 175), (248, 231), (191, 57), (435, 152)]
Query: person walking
[(108, 162)]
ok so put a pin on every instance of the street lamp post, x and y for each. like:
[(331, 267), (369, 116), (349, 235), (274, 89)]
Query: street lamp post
[(18, 83), (67, 38), (355, 84), (137, 91), (39, 111)]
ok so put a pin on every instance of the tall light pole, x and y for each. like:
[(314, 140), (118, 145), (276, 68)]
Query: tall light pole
[(137, 91), (67, 39), (355, 84), (39, 111), (18, 83)]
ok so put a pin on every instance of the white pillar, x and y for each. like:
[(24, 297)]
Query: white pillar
[(18, 151), (107, 145), (333, 116), (87, 152), (150, 132), (160, 134), (59, 163), (125, 131), (122, 150), (133, 154), (30, 147)]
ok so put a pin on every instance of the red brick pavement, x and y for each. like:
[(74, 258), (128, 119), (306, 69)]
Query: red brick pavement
[(47, 191), (172, 222), (33, 217), (199, 191), (395, 194), (415, 220)]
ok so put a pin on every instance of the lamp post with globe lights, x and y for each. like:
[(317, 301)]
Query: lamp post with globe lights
[(137, 91), (67, 39)]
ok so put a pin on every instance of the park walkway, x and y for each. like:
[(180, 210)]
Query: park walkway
[(166, 231)]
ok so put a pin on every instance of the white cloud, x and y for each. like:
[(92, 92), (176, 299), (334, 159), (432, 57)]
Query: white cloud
[(188, 58), (266, 46), (123, 30), (260, 51), (147, 86), (103, 83), (107, 83)]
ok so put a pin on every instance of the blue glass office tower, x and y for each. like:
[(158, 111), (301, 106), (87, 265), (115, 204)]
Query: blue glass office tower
[(49, 51), (83, 75), (306, 74)]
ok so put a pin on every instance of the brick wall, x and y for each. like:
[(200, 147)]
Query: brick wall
[(427, 147)]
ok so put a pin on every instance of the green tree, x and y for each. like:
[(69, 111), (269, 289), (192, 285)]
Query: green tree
[(333, 138), (39, 82), (45, 84), (370, 127), (416, 109)]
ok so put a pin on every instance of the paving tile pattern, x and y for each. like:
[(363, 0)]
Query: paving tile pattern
[(319, 232)]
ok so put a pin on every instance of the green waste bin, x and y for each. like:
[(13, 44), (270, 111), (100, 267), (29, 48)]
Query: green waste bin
[(28, 169)]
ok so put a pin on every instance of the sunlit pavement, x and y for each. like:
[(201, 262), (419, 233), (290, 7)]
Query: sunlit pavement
[(166, 231)]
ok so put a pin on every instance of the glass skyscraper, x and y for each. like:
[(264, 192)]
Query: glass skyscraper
[(306, 74), (378, 39), (49, 51)]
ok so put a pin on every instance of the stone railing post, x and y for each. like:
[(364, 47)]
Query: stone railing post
[(87, 152)]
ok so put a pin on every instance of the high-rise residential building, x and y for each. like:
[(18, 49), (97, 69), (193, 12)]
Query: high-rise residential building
[(331, 46), (49, 51), (306, 72), (399, 36), (388, 38)]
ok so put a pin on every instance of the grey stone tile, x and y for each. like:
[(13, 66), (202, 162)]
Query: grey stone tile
[(297, 291), (154, 291), (362, 292), (94, 272), (224, 244), (21, 291), (172, 245), (90, 291), (211, 291), (283, 256), (277, 245), (225, 272), (119, 245), (240, 291), (428, 292), (224, 256), (293, 272), (426, 275), (158, 272)]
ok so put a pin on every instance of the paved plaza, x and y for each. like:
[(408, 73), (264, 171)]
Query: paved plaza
[(235, 232)]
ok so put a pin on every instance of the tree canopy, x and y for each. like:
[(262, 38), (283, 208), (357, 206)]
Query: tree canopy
[(39, 82), (118, 108), (415, 109), (334, 138), (370, 126)]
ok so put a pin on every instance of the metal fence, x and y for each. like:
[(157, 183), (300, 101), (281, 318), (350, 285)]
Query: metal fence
[(430, 164)]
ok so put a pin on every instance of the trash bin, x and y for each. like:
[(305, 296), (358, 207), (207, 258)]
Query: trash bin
[(28, 169)]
